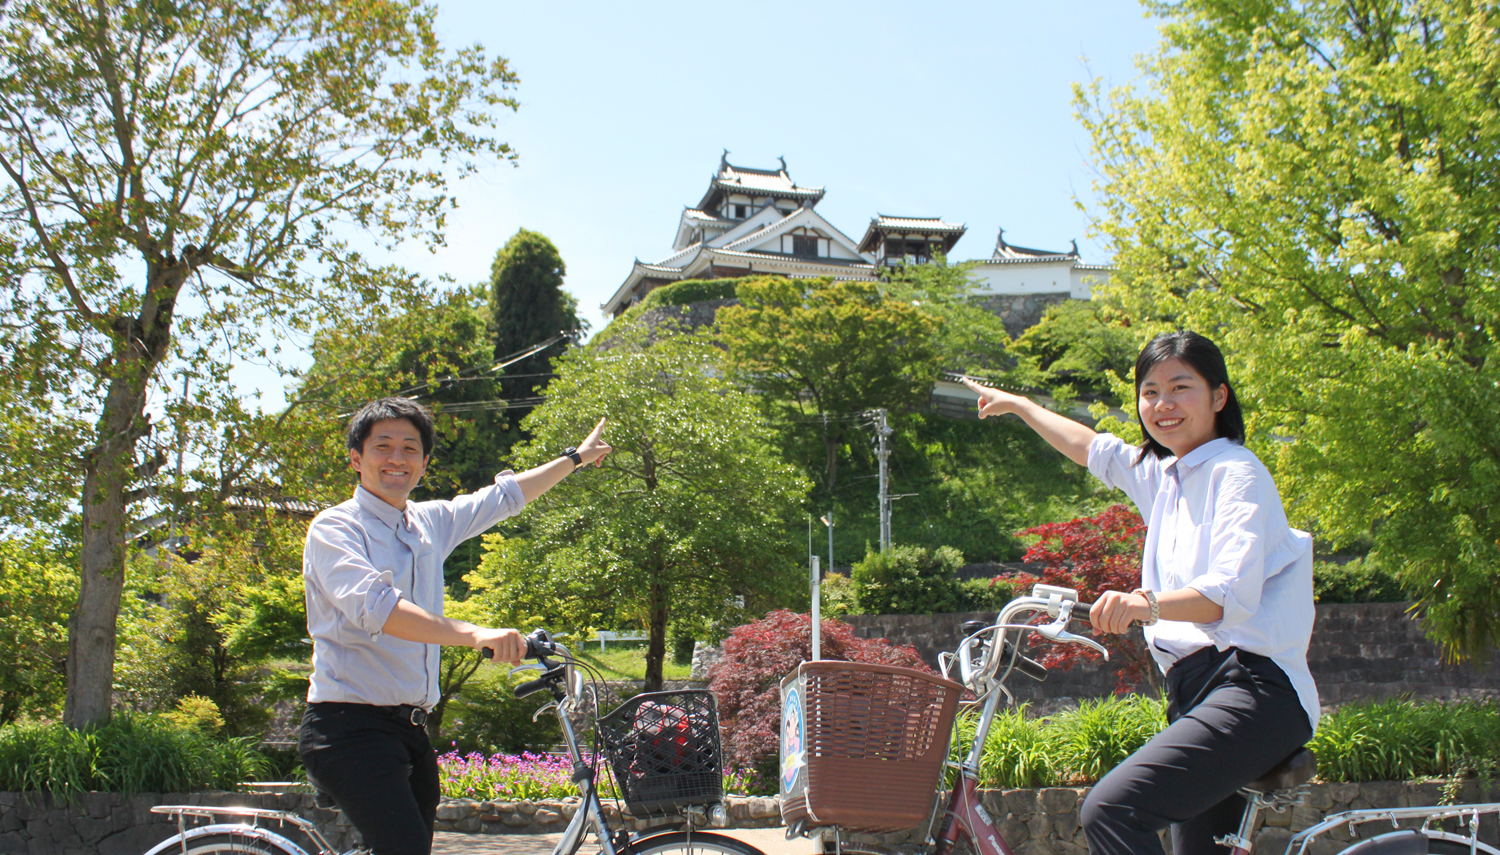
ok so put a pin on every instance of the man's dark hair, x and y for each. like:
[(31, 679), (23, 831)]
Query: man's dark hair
[(382, 409), (1202, 356)]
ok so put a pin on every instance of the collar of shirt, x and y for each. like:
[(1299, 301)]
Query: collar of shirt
[(1202, 454), (380, 508)]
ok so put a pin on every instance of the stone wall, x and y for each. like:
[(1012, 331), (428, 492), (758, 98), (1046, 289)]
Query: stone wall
[(1020, 312), (1034, 822), (1045, 821), (1368, 651), (113, 824), (548, 815)]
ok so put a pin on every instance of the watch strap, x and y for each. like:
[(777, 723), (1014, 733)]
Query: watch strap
[(1151, 601), (572, 454)]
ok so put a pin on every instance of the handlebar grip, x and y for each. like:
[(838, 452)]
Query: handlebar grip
[(488, 653), (531, 687), (1030, 667), (1081, 612)]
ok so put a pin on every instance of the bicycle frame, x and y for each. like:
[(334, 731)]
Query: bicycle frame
[(967, 819)]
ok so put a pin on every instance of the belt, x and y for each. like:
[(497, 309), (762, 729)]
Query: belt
[(404, 713)]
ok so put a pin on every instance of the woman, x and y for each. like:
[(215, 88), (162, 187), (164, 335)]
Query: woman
[(1226, 601)]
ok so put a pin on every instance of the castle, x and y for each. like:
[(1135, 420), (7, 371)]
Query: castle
[(758, 221)]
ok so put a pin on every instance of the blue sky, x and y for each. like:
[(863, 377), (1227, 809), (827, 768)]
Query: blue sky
[(958, 110)]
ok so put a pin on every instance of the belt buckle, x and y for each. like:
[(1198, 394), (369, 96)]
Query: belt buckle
[(418, 717)]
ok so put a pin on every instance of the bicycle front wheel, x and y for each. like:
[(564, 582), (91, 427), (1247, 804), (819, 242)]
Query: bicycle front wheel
[(681, 843)]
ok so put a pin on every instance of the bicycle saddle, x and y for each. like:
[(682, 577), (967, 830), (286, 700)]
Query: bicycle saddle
[(1294, 771)]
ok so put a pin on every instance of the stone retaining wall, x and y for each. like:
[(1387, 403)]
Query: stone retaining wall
[(1359, 652), (1045, 822), (1034, 822), (540, 817)]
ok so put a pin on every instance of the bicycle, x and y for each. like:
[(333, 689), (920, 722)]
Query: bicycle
[(663, 751), (846, 725)]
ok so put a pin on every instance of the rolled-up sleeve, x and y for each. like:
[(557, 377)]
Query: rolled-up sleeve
[(1111, 460), (336, 561), (472, 514), (1237, 552)]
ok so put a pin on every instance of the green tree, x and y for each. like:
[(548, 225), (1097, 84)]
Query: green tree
[(174, 178), (37, 590), (826, 351), (202, 623), (969, 338), (693, 508), (1318, 186), (527, 307), (1074, 347)]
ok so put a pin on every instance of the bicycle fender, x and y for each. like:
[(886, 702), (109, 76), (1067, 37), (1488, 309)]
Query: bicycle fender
[(1407, 842), (176, 841)]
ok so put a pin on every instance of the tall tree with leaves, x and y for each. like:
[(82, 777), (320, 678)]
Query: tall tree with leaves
[(822, 351), (694, 507), (1318, 185), (173, 176), (528, 306)]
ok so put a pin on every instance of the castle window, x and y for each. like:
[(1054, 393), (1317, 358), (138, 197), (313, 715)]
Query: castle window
[(739, 212), (805, 246)]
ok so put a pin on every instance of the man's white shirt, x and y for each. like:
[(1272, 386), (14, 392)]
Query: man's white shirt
[(361, 557)]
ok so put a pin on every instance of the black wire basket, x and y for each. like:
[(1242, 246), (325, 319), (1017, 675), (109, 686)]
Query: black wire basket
[(664, 749)]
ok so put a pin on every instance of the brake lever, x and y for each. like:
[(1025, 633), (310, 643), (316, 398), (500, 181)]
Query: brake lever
[(1058, 631), (531, 666)]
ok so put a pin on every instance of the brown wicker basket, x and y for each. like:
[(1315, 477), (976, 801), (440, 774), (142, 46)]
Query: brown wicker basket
[(863, 746)]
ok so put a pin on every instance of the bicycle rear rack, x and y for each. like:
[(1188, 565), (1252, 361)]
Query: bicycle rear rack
[(255, 815), (1428, 814)]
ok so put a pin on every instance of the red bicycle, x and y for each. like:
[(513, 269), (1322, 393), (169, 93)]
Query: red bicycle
[(864, 749)]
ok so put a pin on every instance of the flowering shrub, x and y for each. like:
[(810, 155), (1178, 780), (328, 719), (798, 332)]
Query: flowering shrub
[(505, 777), (747, 677), (1092, 555), (525, 777)]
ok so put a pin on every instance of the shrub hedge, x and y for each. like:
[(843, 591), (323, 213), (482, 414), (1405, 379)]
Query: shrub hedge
[(1394, 740), (133, 753), (690, 291)]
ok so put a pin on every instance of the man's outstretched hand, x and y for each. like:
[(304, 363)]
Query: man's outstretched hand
[(593, 449)]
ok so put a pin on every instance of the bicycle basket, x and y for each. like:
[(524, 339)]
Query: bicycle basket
[(862, 746), (664, 749)]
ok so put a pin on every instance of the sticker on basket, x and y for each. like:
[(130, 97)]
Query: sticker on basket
[(792, 735)]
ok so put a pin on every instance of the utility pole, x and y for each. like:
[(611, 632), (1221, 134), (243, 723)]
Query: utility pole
[(883, 432)]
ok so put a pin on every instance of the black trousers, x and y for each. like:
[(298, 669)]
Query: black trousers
[(1231, 716), (379, 768)]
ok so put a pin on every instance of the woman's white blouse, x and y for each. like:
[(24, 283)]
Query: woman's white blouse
[(1214, 523)]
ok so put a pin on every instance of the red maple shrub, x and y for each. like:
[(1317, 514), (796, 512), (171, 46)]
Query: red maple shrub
[(1092, 555), (757, 656)]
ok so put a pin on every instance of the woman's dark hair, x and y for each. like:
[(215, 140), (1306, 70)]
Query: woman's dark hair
[(1202, 356), (382, 409)]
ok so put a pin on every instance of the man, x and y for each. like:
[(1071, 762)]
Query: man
[(373, 568)]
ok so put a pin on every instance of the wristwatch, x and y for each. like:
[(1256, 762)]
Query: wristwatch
[(1150, 600), (572, 453)]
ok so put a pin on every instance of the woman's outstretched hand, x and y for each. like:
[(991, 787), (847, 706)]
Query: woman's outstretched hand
[(992, 401)]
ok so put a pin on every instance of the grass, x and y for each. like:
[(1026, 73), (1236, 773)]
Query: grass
[(627, 661)]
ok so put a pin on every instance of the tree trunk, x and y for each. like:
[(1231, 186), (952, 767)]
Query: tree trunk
[(92, 626), (140, 345), (656, 647)]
